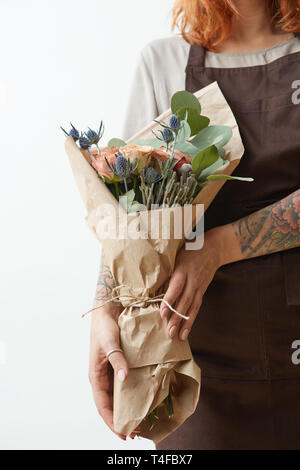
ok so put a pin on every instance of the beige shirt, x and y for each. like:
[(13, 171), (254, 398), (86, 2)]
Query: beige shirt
[(160, 73)]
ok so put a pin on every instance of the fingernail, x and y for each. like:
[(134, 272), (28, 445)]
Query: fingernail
[(185, 334), (172, 331), (121, 375), (164, 312)]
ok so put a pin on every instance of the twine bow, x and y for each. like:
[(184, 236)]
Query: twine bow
[(135, 300)]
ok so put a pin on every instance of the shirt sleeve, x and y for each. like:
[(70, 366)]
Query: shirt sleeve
[(142, 106)]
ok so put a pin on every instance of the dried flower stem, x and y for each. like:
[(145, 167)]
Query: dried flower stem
[(169, 191)]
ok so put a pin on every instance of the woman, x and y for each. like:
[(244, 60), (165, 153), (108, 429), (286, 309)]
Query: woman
[(241, 290)]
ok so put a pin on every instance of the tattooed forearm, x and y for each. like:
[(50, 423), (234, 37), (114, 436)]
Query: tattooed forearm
[(274, 228), (105, 283)]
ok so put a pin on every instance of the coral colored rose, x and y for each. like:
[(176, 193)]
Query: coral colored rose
[(142, 153), (179, 155), (113, 149), (179, 164), (99, 163), (159, 154), (163, 155)]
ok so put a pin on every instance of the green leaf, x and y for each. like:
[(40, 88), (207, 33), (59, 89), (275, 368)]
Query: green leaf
[(184, 133), (109, 181), (137, 207), (184, 99), (221, 152), (168, 405), (150, 419), (127, 199), (211, 169), (226, 177), (188, 148), (155, 143), (129, 204), (194, 119), (212, 135), (204, 159), (116, 143)]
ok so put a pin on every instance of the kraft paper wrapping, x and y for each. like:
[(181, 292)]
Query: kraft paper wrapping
[(158, 364)]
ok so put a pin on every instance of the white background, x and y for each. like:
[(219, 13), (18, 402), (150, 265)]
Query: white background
[(60, 60)]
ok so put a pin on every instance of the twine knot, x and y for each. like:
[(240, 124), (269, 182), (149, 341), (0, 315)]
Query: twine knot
[(133, 300)]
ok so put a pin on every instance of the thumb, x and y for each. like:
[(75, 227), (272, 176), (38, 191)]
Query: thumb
[(118, 363)]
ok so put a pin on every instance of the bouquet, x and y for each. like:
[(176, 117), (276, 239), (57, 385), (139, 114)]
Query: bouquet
[(160, 181)]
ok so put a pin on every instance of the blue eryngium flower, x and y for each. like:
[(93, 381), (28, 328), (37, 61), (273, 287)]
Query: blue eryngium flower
[(174, 122), (95, 136), (92, 136), (86, 139), (73, 132), (151, 176), (123, 169), (84, 142), (168, 135)]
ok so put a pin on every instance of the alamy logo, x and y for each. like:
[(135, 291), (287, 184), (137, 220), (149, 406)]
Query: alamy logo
[(296, 93), (176, 223), (296, 354)]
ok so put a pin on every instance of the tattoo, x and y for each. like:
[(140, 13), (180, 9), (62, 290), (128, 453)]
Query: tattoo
[(105, 283), (274, 228)]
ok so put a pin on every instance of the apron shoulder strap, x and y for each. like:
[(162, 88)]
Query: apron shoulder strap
[(196, 56)]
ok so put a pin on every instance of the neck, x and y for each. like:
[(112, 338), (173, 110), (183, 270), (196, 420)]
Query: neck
[(251, 28), (252, 20)]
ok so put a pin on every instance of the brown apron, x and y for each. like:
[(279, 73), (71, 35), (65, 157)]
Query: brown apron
[(250, 316)]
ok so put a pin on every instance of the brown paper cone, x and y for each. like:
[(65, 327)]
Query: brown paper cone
[(157, 363)]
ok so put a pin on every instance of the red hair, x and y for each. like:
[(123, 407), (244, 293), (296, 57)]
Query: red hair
[(208, 22)]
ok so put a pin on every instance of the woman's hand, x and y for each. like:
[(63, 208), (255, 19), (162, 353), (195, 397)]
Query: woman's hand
[(194, 270), (104, 338), (268, 230)]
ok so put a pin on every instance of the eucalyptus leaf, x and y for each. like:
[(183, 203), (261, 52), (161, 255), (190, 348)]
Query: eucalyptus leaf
[(221, 152), (155, 143), (211, 169), (227, 177), (212, 135), (184, 99), (137, 207), (184, 133), (194, 119), (116, 143), (126, 200), (188, 148), (204, 159)]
